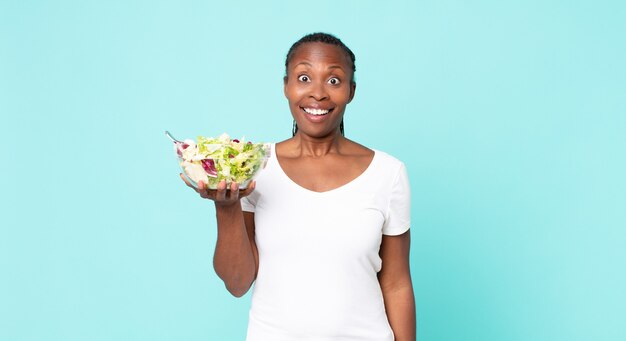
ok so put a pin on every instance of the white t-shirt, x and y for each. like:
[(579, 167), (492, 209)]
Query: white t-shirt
[(319, 253)]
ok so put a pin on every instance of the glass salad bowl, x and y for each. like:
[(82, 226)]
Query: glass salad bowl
[(212, 160)]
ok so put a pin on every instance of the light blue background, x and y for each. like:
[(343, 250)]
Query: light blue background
[(510, 116)]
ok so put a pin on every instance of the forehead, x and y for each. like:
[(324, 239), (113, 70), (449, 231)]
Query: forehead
[(321, 53)]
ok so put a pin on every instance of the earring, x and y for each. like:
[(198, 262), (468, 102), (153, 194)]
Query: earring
[(294, 129)]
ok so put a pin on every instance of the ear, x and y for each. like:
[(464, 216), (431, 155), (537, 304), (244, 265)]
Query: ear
[(352, 91), (285, 85)]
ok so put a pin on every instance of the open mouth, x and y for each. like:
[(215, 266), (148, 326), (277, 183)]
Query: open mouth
[(316, 112)]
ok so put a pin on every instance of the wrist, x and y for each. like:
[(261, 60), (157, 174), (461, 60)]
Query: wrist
[(227, 208)]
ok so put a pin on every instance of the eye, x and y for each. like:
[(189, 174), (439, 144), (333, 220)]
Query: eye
[(304, 78), (334, 81)]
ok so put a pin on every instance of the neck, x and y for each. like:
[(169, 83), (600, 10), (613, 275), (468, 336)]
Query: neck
[(318, 146)]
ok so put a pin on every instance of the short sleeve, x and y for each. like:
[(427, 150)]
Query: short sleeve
[(248, 203), (398, 216)]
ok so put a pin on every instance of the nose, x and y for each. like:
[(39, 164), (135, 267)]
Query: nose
[(318, 91)]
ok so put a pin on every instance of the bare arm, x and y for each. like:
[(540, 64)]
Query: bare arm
[(396, 285), (236, 257)]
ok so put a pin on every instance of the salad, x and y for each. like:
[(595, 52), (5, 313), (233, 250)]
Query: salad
[(212, 160)]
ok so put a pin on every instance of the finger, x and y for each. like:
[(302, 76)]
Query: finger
[(248, 190), (234, 191), (221, 191), (202, 189)]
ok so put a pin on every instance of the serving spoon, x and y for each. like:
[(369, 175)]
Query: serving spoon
[(167, 133)]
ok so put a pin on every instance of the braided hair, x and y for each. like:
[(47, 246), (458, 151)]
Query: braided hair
[(325, 38)]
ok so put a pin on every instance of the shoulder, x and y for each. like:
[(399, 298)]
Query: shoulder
[(388, 158), (388, 163), (383, 163)]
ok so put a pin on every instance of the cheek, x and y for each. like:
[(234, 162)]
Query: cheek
[(293, 94), (293, 98), (341, 95)]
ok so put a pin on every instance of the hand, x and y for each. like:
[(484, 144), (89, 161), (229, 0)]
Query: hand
[(221, 196)]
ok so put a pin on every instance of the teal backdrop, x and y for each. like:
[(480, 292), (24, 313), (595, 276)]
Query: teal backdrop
[(510, 116)]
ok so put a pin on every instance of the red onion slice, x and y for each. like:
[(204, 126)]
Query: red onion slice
[(209, 167)]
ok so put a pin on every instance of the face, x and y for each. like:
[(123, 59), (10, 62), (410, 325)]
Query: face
[(318, 87)]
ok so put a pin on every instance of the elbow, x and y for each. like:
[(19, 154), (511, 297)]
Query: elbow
[(238, 286), (236, 282), (237, 290)]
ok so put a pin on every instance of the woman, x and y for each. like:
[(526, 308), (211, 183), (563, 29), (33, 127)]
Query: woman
[(324, 231)]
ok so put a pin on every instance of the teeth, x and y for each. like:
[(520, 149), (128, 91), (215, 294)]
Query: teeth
[(316, 111)]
